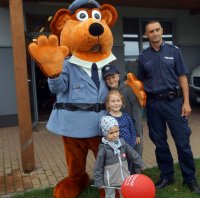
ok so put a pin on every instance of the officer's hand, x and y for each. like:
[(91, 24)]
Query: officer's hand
[(186, 109)]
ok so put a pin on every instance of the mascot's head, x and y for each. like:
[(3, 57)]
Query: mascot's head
[(85, 29)]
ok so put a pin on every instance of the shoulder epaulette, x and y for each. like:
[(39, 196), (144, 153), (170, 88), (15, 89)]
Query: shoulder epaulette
[(171, 45)]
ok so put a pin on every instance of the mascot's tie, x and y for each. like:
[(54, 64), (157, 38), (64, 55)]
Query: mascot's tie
[(95, 75)]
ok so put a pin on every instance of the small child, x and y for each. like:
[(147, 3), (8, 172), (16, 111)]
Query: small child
[(111, 167)]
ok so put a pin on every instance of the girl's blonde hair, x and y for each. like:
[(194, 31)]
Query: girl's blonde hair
[(114, 92)]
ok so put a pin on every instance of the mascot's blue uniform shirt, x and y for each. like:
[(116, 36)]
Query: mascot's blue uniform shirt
[(75, 86), (159, 70)]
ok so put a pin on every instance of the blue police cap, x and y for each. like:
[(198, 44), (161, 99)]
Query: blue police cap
[(82, 4), (109, 70)]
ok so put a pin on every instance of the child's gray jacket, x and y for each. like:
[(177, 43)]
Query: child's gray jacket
[(111, 169)]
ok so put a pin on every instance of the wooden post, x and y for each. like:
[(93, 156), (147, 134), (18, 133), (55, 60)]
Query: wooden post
[(22, 90)]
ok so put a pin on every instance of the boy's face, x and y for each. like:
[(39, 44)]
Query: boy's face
[(112, 81), (113, 134)]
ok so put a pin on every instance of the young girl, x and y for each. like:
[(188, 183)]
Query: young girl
[(111, 167), (114, 103)]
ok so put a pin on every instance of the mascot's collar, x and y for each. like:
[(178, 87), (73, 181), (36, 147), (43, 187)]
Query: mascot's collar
[(88, 65)]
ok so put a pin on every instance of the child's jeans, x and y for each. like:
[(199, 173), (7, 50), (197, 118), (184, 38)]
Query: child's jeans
[(110, 193)]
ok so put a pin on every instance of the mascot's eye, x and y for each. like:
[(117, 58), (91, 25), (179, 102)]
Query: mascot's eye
[(96, 15), (82, 15)]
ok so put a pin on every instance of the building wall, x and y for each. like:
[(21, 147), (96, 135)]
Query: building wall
[(8, 107), (5, 33), (187, 31)]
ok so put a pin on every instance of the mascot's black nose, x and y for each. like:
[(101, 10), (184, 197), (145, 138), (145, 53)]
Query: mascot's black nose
[(96, 29)]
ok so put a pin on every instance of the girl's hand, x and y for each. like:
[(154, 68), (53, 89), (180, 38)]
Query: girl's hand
[(137, 140)]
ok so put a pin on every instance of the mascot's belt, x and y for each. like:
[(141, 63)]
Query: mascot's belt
[(81, 106)]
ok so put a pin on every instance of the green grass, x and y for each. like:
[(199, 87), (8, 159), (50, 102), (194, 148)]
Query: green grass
[(172, 191), (43, 193)]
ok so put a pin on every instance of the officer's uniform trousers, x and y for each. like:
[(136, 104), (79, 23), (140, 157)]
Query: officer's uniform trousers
[(163, 113)]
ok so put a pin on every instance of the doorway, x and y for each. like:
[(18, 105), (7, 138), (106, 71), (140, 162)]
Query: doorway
[(45, 99)]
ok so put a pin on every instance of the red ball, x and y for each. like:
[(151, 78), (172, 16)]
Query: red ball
[(138, 186)]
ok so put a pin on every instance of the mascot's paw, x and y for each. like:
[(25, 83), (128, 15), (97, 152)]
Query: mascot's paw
[(48, 54), (137, 88), (70, 188)]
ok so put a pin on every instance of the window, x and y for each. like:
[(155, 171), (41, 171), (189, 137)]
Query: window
[(38, 23), (131, 44), (135, 40)]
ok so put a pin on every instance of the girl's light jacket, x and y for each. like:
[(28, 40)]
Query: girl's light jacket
[(111, 169)]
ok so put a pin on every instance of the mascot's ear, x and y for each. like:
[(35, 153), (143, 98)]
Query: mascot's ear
[(59, 20), (109, 14)]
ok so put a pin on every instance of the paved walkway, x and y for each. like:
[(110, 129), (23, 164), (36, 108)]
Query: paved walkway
[(50, 160)]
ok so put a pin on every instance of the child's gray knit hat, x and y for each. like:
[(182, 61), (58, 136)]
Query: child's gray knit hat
[(106, 123)]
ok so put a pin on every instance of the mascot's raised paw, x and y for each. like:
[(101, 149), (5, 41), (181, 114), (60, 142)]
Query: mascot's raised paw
[(49, 55)]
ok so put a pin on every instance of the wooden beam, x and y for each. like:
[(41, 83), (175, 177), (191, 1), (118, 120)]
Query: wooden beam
[(21, 79)]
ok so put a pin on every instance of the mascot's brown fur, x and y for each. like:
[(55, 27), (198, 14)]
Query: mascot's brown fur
[(137, 87), (75, 36)]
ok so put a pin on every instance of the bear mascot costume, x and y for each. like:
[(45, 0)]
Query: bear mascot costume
[(72, 59)]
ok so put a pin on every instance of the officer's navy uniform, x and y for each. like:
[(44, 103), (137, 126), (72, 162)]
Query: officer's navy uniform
[(159, 71)]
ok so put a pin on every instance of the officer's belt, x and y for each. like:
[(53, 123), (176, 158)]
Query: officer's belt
[(171, 95), (81, 106)]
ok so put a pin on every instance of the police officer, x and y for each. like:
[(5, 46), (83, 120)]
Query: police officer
[(162, 71)]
